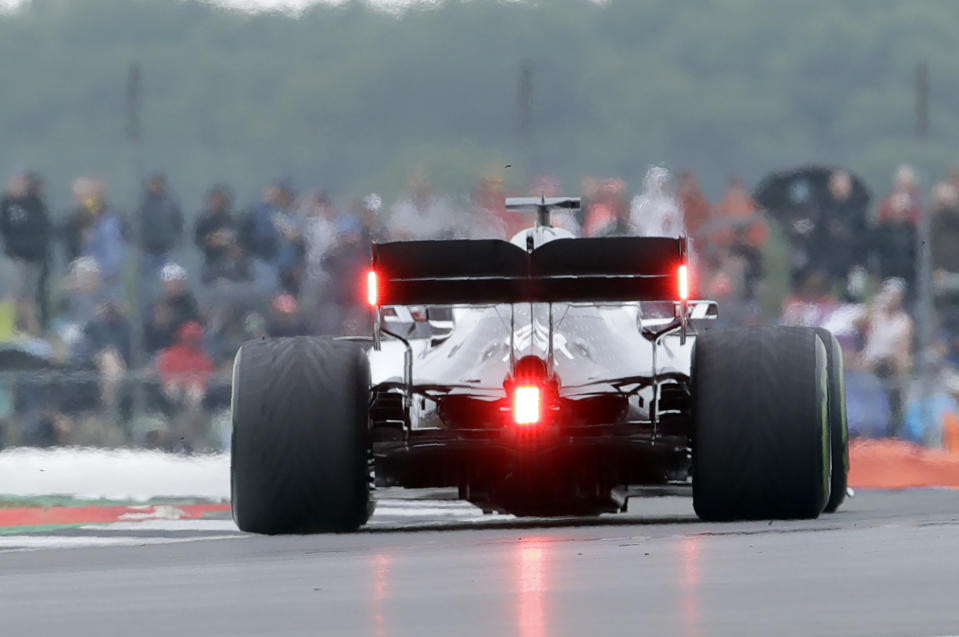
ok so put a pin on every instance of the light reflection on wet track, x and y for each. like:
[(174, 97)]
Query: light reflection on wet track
[(531, 559), (689, 552)]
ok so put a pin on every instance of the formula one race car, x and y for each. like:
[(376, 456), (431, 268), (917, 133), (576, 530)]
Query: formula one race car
[(568, 375)]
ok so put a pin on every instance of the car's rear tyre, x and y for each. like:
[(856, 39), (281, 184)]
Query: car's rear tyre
[(838, 427), (761, 439), (300, 453)]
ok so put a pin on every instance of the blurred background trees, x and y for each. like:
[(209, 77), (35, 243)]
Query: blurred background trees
[(356, 97)]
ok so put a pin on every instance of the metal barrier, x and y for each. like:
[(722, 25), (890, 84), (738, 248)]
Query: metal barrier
[(96, 407)]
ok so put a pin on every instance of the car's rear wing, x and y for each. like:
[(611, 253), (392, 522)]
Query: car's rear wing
[(614, 269)]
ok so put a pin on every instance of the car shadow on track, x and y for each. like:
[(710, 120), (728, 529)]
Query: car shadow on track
[(531, 523)]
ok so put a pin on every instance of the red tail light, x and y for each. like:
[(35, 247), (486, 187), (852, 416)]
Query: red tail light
[(527, 404), (372, 289), (683, 276)]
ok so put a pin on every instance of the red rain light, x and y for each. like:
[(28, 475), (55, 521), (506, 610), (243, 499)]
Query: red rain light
[(527, 405), (683, 276), (372, 288)]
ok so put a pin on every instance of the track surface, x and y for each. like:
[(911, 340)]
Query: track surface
[(888, 563)]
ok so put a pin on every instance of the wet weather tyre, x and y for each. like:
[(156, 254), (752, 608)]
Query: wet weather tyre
[(300, 453), (761, 439), (838, 427)]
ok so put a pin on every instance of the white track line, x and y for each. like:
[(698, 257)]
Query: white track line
[(165, 526), (389, 513), (45, 542)]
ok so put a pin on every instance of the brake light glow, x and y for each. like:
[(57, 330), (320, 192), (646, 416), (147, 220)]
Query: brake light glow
[(527, 405), (683, 276), (372, 289)]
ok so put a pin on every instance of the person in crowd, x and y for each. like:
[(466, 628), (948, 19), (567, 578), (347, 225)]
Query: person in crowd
[(232, 266), (229, 276), (723, 280), (75, 229), (255, 326), (799, 211), (216, 234), (285, 318), (951, 350), (931, 416), (655, 212), (174, 307), (82, 292), (37, 187), (749, 226), (944, 237), (44, 428), (369, 212), (107, 346), (321, 227), (489, 218), (160, 227), (422, 215), (26, 230), (867, 405), (811, 304), (215, 231), (272, 235), (894, 242), (323, 223), (888, 348), (258, 231), (945, 228), (695, 208), (291, 248), (848, 322), (905, 192), (95, 230), (841, 231), (607, 211), (589, 190), (867, 401), (223, 338), (739, 225), (344, 312), (184, 369), (231, 285)]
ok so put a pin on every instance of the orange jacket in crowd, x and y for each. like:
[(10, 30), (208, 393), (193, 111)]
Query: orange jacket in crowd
[(738, 206)]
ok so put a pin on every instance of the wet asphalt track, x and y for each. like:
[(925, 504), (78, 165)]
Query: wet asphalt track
[(888, 564)]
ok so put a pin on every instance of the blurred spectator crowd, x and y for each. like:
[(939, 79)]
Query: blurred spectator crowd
[(120, 327)]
